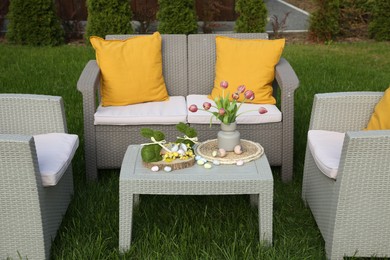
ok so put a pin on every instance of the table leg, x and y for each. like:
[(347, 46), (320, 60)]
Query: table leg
[(265, 217), (126, 204)]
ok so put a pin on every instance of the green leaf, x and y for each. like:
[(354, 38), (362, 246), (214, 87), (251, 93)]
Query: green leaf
[(225, 119), (182, 127), (147, 132)]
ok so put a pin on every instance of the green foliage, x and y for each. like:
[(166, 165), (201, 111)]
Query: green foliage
[(34, 22), (324, 23), (379, 27), (177, 17), (252, 16), (147, 132), (151, 152), (354, 17), (108, 17), (188, 131)]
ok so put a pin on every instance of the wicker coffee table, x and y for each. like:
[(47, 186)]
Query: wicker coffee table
[(254, 178)]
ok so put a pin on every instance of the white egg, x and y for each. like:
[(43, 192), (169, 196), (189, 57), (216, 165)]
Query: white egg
[(174, 148), (216, 162), (183, 147), (198, 157), (240, 162), (181, 152), (155, 168), (167, 168)]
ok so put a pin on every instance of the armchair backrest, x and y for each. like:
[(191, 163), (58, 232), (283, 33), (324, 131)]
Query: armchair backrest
[(349, 113), (202, 57), (31, 114), (174, 55)]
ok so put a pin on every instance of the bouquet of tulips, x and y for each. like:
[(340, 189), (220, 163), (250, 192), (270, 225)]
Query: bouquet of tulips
[(226, 110)]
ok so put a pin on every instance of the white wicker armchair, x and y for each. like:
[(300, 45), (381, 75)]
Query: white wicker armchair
[(30, 213), (353, 210)]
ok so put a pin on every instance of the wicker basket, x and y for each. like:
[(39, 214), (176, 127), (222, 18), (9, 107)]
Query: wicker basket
[(251, 151)]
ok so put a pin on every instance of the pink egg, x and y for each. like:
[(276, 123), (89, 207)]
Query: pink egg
[(237, 149)]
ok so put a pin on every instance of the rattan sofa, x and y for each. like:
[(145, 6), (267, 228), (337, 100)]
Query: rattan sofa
[(188, 68), (30, 213), (351, 211)]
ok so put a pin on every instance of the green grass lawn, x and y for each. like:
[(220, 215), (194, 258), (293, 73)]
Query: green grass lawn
[(192, 227)]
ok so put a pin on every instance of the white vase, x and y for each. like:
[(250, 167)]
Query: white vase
[(228, 137)]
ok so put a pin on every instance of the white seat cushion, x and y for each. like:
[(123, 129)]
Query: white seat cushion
[(55, 152), (326, 146), (168, 112), (250, 117)]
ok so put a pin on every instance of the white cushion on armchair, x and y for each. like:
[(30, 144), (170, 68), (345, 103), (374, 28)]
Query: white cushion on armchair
[(326, 146), (168, 112), (55, 152)]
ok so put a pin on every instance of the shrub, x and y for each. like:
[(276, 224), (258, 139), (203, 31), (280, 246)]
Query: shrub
[(379, 26), (108, 17), (34, 22), (324, 22), (177, 17), (252, 16), (354, 17)]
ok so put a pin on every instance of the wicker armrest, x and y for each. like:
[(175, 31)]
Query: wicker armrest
[(31, 114), (88, 84), (288, 82), (343, 111), (31, 214), (364, 151)]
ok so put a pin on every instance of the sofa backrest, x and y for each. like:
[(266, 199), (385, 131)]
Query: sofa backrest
[(201, 59), (174, 55)]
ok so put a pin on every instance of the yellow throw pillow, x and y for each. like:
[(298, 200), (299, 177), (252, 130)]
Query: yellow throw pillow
[(247, 62), (131, 70), (380, 119)]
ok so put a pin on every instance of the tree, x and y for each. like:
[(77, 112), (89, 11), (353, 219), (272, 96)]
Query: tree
[(108, 17), (34, 22), (324, 23), (177, 17), (252, 16), (379, 26)]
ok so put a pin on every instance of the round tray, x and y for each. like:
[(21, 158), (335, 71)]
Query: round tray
[(251, 151), (175, 164)]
